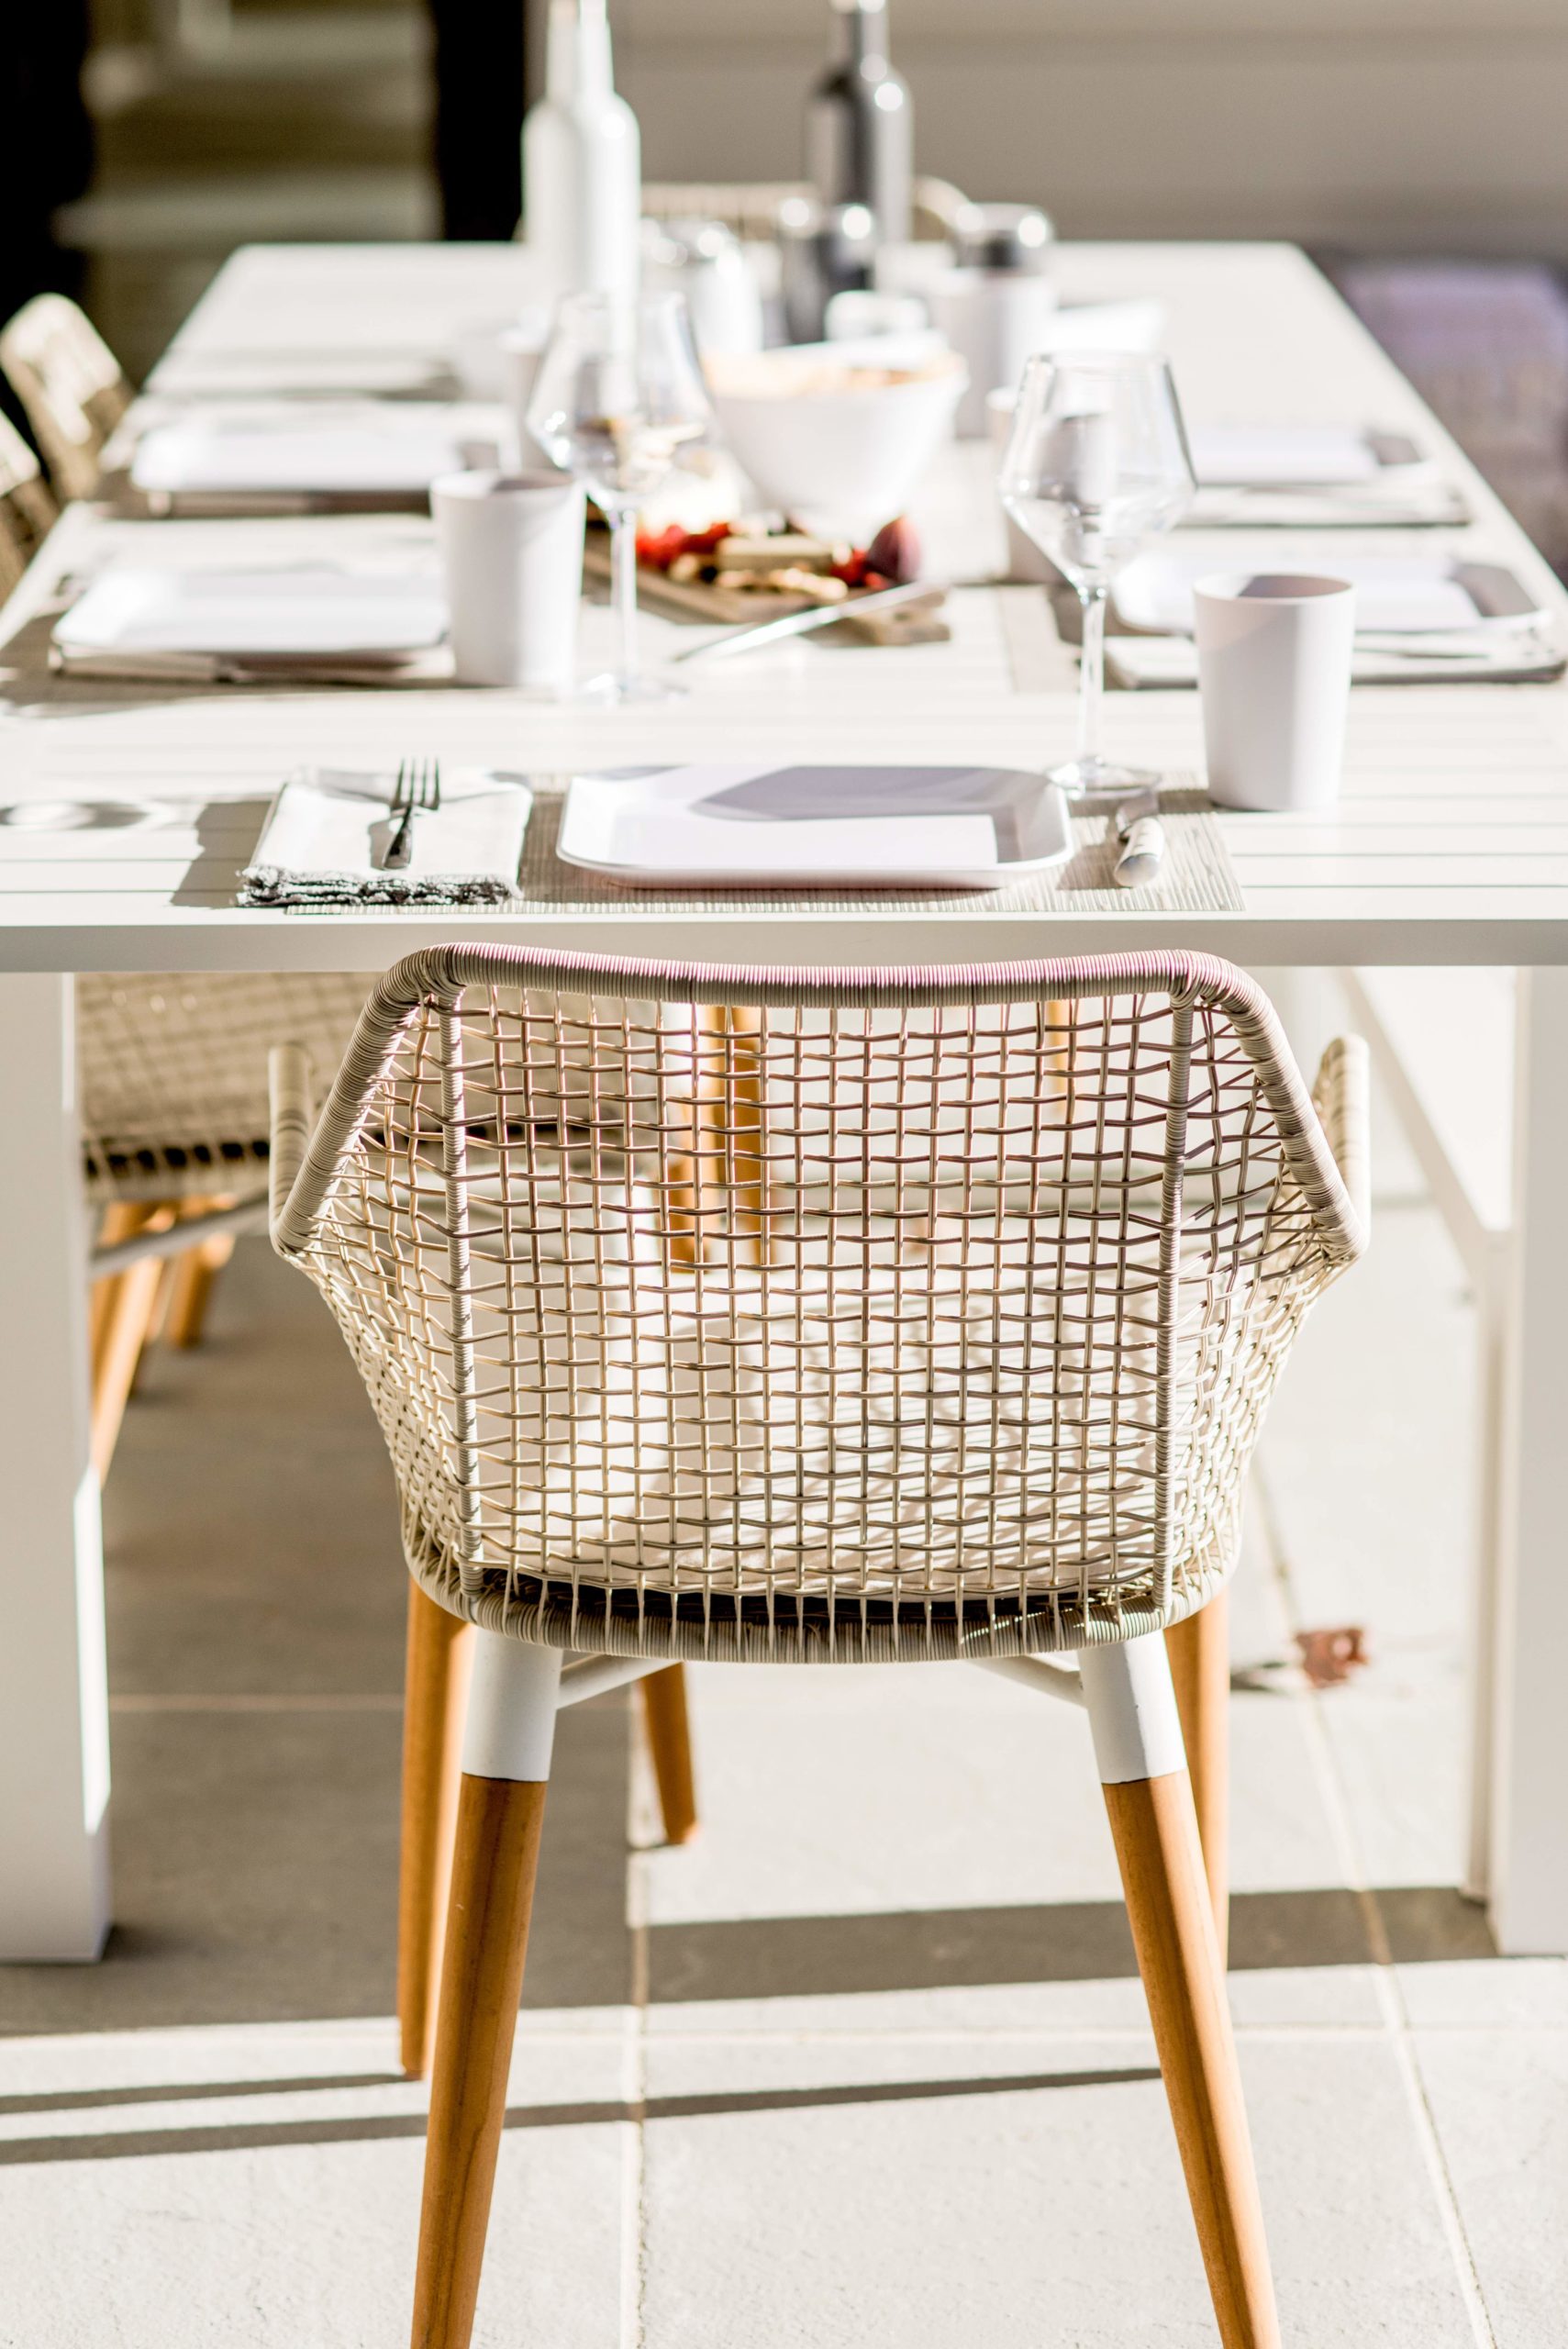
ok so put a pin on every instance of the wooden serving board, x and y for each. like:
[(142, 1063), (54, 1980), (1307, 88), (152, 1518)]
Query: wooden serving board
[(695, 599)]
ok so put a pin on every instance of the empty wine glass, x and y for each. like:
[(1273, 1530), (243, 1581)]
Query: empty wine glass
[(1095, 466), (617, 392)]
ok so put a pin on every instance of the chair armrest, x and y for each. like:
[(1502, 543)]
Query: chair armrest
[(292, 1117), (1340, 1095)]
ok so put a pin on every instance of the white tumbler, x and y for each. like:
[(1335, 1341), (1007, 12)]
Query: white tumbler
[(1275, 668), (512, 558)]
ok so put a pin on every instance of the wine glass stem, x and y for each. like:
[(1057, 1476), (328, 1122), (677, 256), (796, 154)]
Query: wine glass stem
[(623, 586), (1091, 672)]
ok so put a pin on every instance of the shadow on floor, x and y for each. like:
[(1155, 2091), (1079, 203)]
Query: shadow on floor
[(347, 2130), (256, 1876), (779, 1957), (251, 1945)]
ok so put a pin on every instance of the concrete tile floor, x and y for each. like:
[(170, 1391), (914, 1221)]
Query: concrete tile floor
[(869, 2061)]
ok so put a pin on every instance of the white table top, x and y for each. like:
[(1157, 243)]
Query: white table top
[(1450, 844)]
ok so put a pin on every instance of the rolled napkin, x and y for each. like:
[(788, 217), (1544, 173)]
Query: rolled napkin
[(329, 830)]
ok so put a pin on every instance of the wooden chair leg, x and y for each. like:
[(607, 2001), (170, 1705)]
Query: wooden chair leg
[(121, 1221), (122, 1310), (1154, 1825), (725, 1161), (744, 1130), (1199, 1650), (669, 1744), (434, 1685), (507, 1751), (194, 1275)]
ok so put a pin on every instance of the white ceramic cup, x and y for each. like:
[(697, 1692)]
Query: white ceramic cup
[(995, 321), (512, 559), (1274, 669)]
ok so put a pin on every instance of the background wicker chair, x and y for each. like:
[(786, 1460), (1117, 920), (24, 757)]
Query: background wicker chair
[(750, 207), (173, 1074), (73, 389), (1033, 1245), (173, 1082), (28, 509)]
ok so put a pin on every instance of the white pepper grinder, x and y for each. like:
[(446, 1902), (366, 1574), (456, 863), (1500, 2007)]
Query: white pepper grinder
[(994, 306), (581, 162)]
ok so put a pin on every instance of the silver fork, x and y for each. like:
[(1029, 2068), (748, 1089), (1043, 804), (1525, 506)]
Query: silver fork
[(418, 791)]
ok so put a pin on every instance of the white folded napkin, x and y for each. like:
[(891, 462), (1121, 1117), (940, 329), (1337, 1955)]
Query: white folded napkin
[(1272, 456), (329, 829)]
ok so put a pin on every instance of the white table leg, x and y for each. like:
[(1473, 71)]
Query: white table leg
[(54, 1734), (1311, 1007), (1530, 1788)]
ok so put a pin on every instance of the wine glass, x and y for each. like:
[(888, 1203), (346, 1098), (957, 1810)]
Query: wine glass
[(1095, 466), (617, 392)]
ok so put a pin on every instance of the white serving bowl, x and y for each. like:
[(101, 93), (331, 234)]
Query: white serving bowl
[(835, 455)]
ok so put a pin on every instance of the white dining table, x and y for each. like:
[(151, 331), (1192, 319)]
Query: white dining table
[(1450, 848)]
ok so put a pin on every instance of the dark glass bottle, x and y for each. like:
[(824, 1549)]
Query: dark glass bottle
[(860, 123)]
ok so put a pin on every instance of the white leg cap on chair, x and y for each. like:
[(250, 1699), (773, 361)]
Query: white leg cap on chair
[(510, 1729), (1132, 1710)]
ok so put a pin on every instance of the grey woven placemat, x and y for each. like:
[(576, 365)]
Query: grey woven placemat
[(1197, 876)]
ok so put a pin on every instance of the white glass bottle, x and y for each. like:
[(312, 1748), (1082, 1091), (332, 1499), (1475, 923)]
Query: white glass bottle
[(581, 162)]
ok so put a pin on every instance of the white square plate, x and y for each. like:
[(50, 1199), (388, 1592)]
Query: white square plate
[(1395, 594), (1300, 456), (760, 826), (308, 614)]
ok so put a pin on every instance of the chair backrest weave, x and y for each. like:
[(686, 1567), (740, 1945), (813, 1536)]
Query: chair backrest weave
[(71, 385), (173, 1071), (728, 1312)]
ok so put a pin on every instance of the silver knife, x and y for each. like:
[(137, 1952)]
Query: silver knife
[(760, 632)]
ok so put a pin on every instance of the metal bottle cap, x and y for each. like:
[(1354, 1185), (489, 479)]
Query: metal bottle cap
[(1014, 237)]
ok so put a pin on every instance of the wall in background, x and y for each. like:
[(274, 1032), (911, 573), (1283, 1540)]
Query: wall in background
[(1377, 125)]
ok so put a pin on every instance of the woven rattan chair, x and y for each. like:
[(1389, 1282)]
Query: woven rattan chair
[(27, 510), (73, 389), (1034, 1245)]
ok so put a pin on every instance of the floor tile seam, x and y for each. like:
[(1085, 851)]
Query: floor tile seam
[(633, 2296), (1385, 1973), (1418, 2029), (1067, 2035)]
